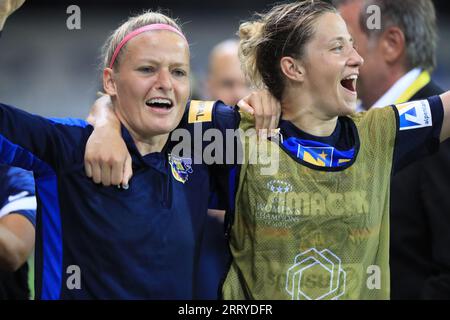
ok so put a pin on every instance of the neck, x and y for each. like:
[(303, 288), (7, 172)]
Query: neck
[(309, 121), (309, 117), (146, 145)]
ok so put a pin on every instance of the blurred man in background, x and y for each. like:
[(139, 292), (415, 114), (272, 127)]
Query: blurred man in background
[(399, 57), (225, 80)]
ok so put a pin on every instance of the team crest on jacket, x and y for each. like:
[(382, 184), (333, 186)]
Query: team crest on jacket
[(181, 167)]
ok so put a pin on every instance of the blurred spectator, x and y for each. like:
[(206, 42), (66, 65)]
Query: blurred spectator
[(399, 58), (225, 80)]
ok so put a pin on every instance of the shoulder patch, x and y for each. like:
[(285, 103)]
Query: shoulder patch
[(200, 111), (414, 115)]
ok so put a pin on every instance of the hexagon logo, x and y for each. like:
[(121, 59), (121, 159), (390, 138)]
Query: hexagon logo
[(316, 276)]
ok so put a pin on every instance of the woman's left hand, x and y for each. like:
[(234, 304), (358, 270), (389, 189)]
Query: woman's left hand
[(265, 108)]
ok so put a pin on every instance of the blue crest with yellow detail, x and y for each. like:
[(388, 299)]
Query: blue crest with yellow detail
[(181, 167), (318, 153)]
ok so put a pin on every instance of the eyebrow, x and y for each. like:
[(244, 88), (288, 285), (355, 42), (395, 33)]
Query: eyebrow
[(342, 39), (177, 64)]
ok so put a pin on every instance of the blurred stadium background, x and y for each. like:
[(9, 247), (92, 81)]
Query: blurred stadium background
[(49, 70)]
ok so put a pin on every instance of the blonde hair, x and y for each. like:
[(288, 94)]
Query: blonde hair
[(133, 23), (251, 36), (283, 31)]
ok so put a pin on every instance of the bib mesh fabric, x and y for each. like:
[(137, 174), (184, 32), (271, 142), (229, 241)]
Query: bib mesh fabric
[(305, 233)]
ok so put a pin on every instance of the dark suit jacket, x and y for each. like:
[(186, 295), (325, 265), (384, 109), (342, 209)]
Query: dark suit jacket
[(420, 224)]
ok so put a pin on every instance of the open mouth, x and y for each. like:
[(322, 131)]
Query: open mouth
[(349, 83), (159, 103)]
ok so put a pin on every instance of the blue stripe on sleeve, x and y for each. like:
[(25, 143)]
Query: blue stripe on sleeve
[(51, 238), (70, 122)]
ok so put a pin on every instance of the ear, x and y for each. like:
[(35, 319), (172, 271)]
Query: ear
[(393, 44), (292, 69), (109, 84)]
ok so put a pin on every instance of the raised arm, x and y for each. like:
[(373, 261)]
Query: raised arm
[(7, 7), (38, 144)]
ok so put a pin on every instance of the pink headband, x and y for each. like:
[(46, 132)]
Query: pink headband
[(150, 27)]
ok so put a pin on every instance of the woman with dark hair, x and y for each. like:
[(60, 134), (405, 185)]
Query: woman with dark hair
[(320, 227)]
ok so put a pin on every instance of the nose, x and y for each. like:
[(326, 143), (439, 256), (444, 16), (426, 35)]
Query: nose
[(355, 59), (164, 80)]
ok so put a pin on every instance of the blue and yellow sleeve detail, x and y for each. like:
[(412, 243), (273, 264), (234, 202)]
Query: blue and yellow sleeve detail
[(200, 111)]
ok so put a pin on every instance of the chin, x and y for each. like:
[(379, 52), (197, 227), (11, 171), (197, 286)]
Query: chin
[(352, 108), (160, 130), (160, 125), (347, 109)]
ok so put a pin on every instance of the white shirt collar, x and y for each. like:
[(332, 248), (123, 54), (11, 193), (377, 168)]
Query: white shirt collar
[(396, 90)]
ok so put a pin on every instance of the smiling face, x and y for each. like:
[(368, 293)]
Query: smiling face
[(151, 86), (331, 67), (372, 74)]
